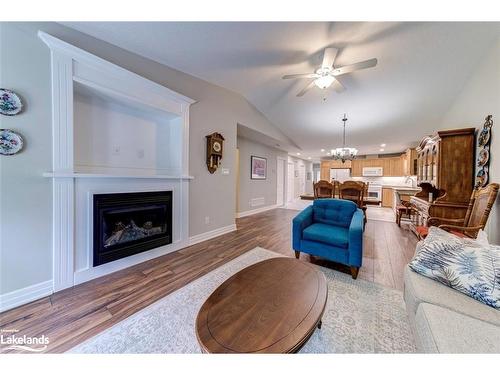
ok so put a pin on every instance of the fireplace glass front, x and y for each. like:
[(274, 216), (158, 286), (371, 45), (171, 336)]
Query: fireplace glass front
[(129, 223)]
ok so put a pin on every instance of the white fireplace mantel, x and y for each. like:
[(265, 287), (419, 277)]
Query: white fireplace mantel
[(114, 175), (75, 71)]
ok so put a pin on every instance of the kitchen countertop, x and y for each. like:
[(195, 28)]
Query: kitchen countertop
[(401, 187)]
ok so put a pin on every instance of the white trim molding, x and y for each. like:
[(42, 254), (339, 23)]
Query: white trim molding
[(91, 273), (256, 211), (193, 240), (22, 296), (73, 69)]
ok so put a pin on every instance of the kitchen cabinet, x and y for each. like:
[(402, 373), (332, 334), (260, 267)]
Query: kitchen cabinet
[(393, 167), (387, 197), (410, 162), (356, 168), (324, 173), (398, 166)]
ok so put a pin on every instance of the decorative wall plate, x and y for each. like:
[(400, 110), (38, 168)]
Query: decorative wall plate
[(481, 178), (10, 103), (484, 137), (483, 157), (10, 142)]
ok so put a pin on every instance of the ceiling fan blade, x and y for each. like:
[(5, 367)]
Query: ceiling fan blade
[(338, 86), (329, 57), (353, 67), (305, 89), (305, 75)]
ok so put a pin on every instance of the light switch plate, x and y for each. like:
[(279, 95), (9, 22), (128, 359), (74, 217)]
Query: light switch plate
[(225, 170)]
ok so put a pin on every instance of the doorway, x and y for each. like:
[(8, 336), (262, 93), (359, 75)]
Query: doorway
[(237, 203), (302, 180), (290, 183), (280, 181)]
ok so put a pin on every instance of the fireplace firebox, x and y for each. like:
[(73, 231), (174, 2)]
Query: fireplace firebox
[(130, 223)]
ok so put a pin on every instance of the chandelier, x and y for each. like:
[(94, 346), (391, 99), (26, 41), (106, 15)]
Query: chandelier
[(344, 153)]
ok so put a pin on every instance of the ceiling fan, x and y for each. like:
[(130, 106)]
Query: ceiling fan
[(327, 74)]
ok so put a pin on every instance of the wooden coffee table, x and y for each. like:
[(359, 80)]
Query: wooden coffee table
[(272, 306)]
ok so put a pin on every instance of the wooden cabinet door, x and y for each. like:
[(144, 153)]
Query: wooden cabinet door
[(407, 162), (338, 164), (387, 197), (356, 168), (325, 173), (397, 166)]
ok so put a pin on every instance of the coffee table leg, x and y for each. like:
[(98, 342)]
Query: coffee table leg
[(319, 324)]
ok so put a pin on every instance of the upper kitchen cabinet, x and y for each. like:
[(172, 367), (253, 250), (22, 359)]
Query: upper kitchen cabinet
[(410, 162), (392, 167), (356, 168), (398, 166)]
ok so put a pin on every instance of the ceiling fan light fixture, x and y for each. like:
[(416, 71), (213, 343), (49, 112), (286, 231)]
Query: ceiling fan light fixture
[(324, 81)]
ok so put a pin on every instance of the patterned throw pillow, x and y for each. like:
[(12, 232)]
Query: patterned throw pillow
[(460, 263)]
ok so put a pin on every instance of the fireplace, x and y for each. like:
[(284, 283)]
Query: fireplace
[(130, 223)]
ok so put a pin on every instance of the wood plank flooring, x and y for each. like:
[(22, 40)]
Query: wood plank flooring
[(73, 315)]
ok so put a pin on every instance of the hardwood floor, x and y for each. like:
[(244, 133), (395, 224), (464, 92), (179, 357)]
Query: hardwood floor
[(75, 314)]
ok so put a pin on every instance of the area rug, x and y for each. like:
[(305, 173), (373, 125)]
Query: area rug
[(360, 317)]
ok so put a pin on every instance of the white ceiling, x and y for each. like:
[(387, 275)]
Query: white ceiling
[(421, 69)]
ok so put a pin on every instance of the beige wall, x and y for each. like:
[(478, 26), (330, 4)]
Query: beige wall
[(26, 215), (250, 189), (479, 97), (25, 196)]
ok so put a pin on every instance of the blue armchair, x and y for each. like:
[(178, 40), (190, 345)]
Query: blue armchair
[(331, 229)]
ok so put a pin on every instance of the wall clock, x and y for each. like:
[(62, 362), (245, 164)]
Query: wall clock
[(215, 143)]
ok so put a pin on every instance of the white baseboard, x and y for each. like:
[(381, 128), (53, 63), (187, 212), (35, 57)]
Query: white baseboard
[(22, 296), (211, 234), (256, 211), (37, 291)]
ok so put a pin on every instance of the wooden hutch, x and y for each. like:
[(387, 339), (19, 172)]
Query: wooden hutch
[(445, 169)]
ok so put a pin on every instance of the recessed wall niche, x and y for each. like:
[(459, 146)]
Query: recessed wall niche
[(114, 135)]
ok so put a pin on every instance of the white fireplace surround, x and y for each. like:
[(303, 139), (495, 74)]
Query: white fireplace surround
[(86, 161)]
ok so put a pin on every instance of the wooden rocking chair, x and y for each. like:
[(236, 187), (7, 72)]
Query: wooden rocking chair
[(475, 219)]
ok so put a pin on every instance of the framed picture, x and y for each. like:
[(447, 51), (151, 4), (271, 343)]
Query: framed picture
[(258, 168)]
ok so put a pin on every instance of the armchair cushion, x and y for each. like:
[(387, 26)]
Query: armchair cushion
[(328, 234), (338, 214)]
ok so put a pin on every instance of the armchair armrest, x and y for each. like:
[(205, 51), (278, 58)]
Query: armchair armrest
[(461, 229), (437, 221), (299, 223), (356, 239)]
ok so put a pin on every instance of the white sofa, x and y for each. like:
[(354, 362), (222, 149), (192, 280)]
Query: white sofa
[(444, 320)]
